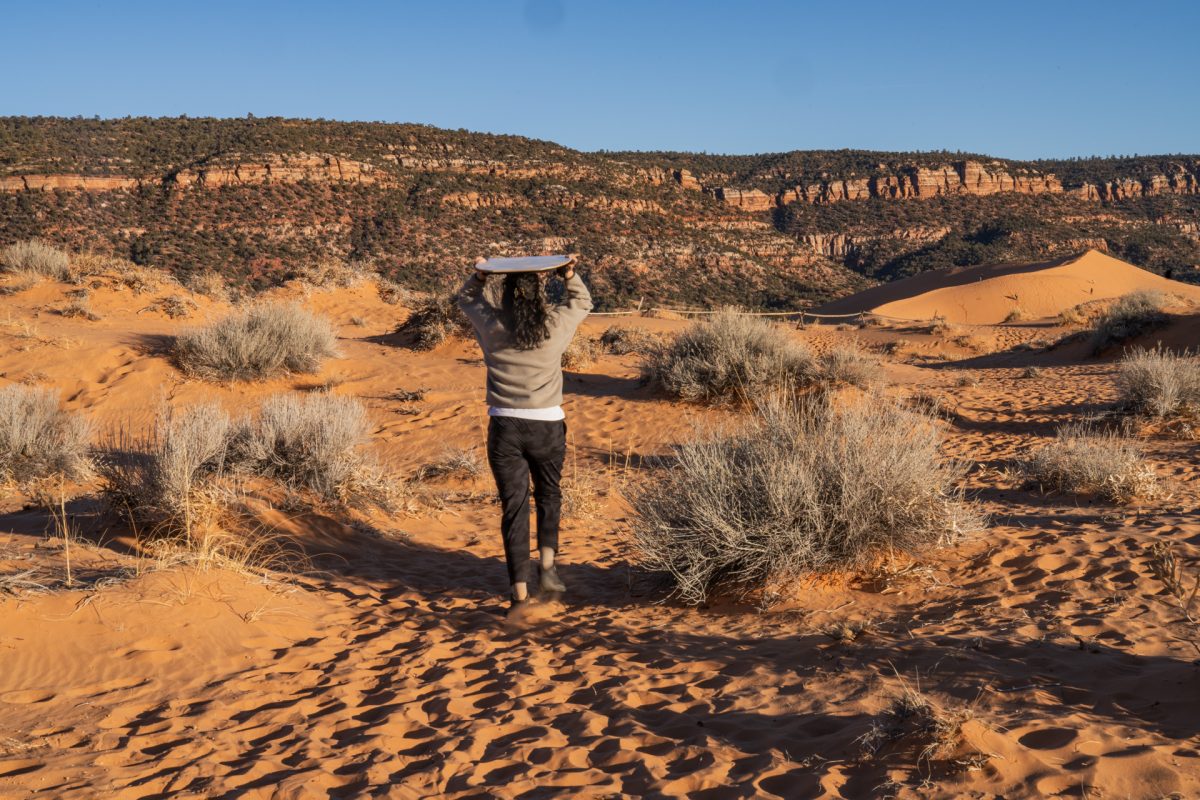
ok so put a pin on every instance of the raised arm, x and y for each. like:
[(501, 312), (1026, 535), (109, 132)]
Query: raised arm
[(579, 299), (470, 298)]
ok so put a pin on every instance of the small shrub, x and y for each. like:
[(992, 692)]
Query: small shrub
[(79, 308), (393, 293), (1084, 460), (581, 353), (914, 717), (38, 438), (848, 365), (1016, 315), (1129, 316), (454, 463), (174, 306), (1159, 383), (260, 341), (433, 321), (156, 476), (1074, 315), (725, 358), (210, 285), (311, 441), (622, 341), (36, 257), (1031, 372), (802, 487)]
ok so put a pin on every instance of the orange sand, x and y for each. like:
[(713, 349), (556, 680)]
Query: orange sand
[(388, 671), (986, 295)]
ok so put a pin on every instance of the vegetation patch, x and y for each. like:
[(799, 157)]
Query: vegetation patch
[(260, 341), (36, 257), (1128, 317), (1159, 383), (1085, 460), (728, 357), (40, 439), (802, 487)]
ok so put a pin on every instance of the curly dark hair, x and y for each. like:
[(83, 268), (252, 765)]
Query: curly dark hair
[(523, 309)]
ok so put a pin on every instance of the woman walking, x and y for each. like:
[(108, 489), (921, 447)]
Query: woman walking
[(523, 341)]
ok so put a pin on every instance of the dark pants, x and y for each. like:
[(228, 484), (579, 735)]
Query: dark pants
[(518, 449)]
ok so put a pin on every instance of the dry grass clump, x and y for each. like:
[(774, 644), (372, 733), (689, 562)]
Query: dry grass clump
[(1159, 383), (209, 284), (455, 462), (1129, 316), (79, 308), (36, 257), (309, 442), (173, 305), (802, 487), (726, 358), (848, 365), (313, 442), (433, 321), (38, 438), (622, 341), (155, 476), (1017, 314), (1085, 460), (393, 293), (913, 716), (260, 341), (581, 353), (1075, 315)]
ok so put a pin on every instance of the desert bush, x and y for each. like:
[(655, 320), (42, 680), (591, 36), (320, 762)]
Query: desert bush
[(581, 353), (38, 438), (1017, 314), (455, 462), (1159, 383), (1086, 460), (36, 257), (802, 487), (435, 320), (79, 308), (209, 284), (848, 365), (913, 716), (260, 341), (725, 358), (311, 441), (621, 341), (1075, 315), (1129, 316), (155, 476)]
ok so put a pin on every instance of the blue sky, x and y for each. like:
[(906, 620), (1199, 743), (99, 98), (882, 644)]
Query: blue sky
[(1016, 79)]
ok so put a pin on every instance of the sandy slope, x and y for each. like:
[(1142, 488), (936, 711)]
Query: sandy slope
[(986, 295), (388, 670)]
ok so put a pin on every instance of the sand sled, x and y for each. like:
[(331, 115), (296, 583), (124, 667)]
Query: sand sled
[(523, 264)]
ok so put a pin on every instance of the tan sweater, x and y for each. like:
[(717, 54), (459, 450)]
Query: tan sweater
[(524, 378)]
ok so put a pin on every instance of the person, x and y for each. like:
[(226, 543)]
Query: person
[(522, 342)]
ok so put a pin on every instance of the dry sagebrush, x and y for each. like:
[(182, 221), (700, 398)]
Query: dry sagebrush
[(260, 341), (1159, 383), (848, 365), (312, 442), (621, 341), (433, 321), (802, 487), (36, 258), (1085, 460), (38, 438), (726, 358), (1129, 316)]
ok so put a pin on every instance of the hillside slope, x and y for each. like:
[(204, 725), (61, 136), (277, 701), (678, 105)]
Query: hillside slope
[(260, 199)]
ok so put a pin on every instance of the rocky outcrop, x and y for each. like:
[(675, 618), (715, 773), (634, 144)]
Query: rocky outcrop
[(744, 199), (280, 169), (78, 183), (687, 180), (963, 177), (840, 245)]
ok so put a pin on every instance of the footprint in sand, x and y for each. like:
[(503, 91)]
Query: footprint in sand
[(27, 696), (1048, 738)]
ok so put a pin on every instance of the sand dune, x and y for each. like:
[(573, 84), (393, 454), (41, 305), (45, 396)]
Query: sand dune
[(988, 294), (388, 670)]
